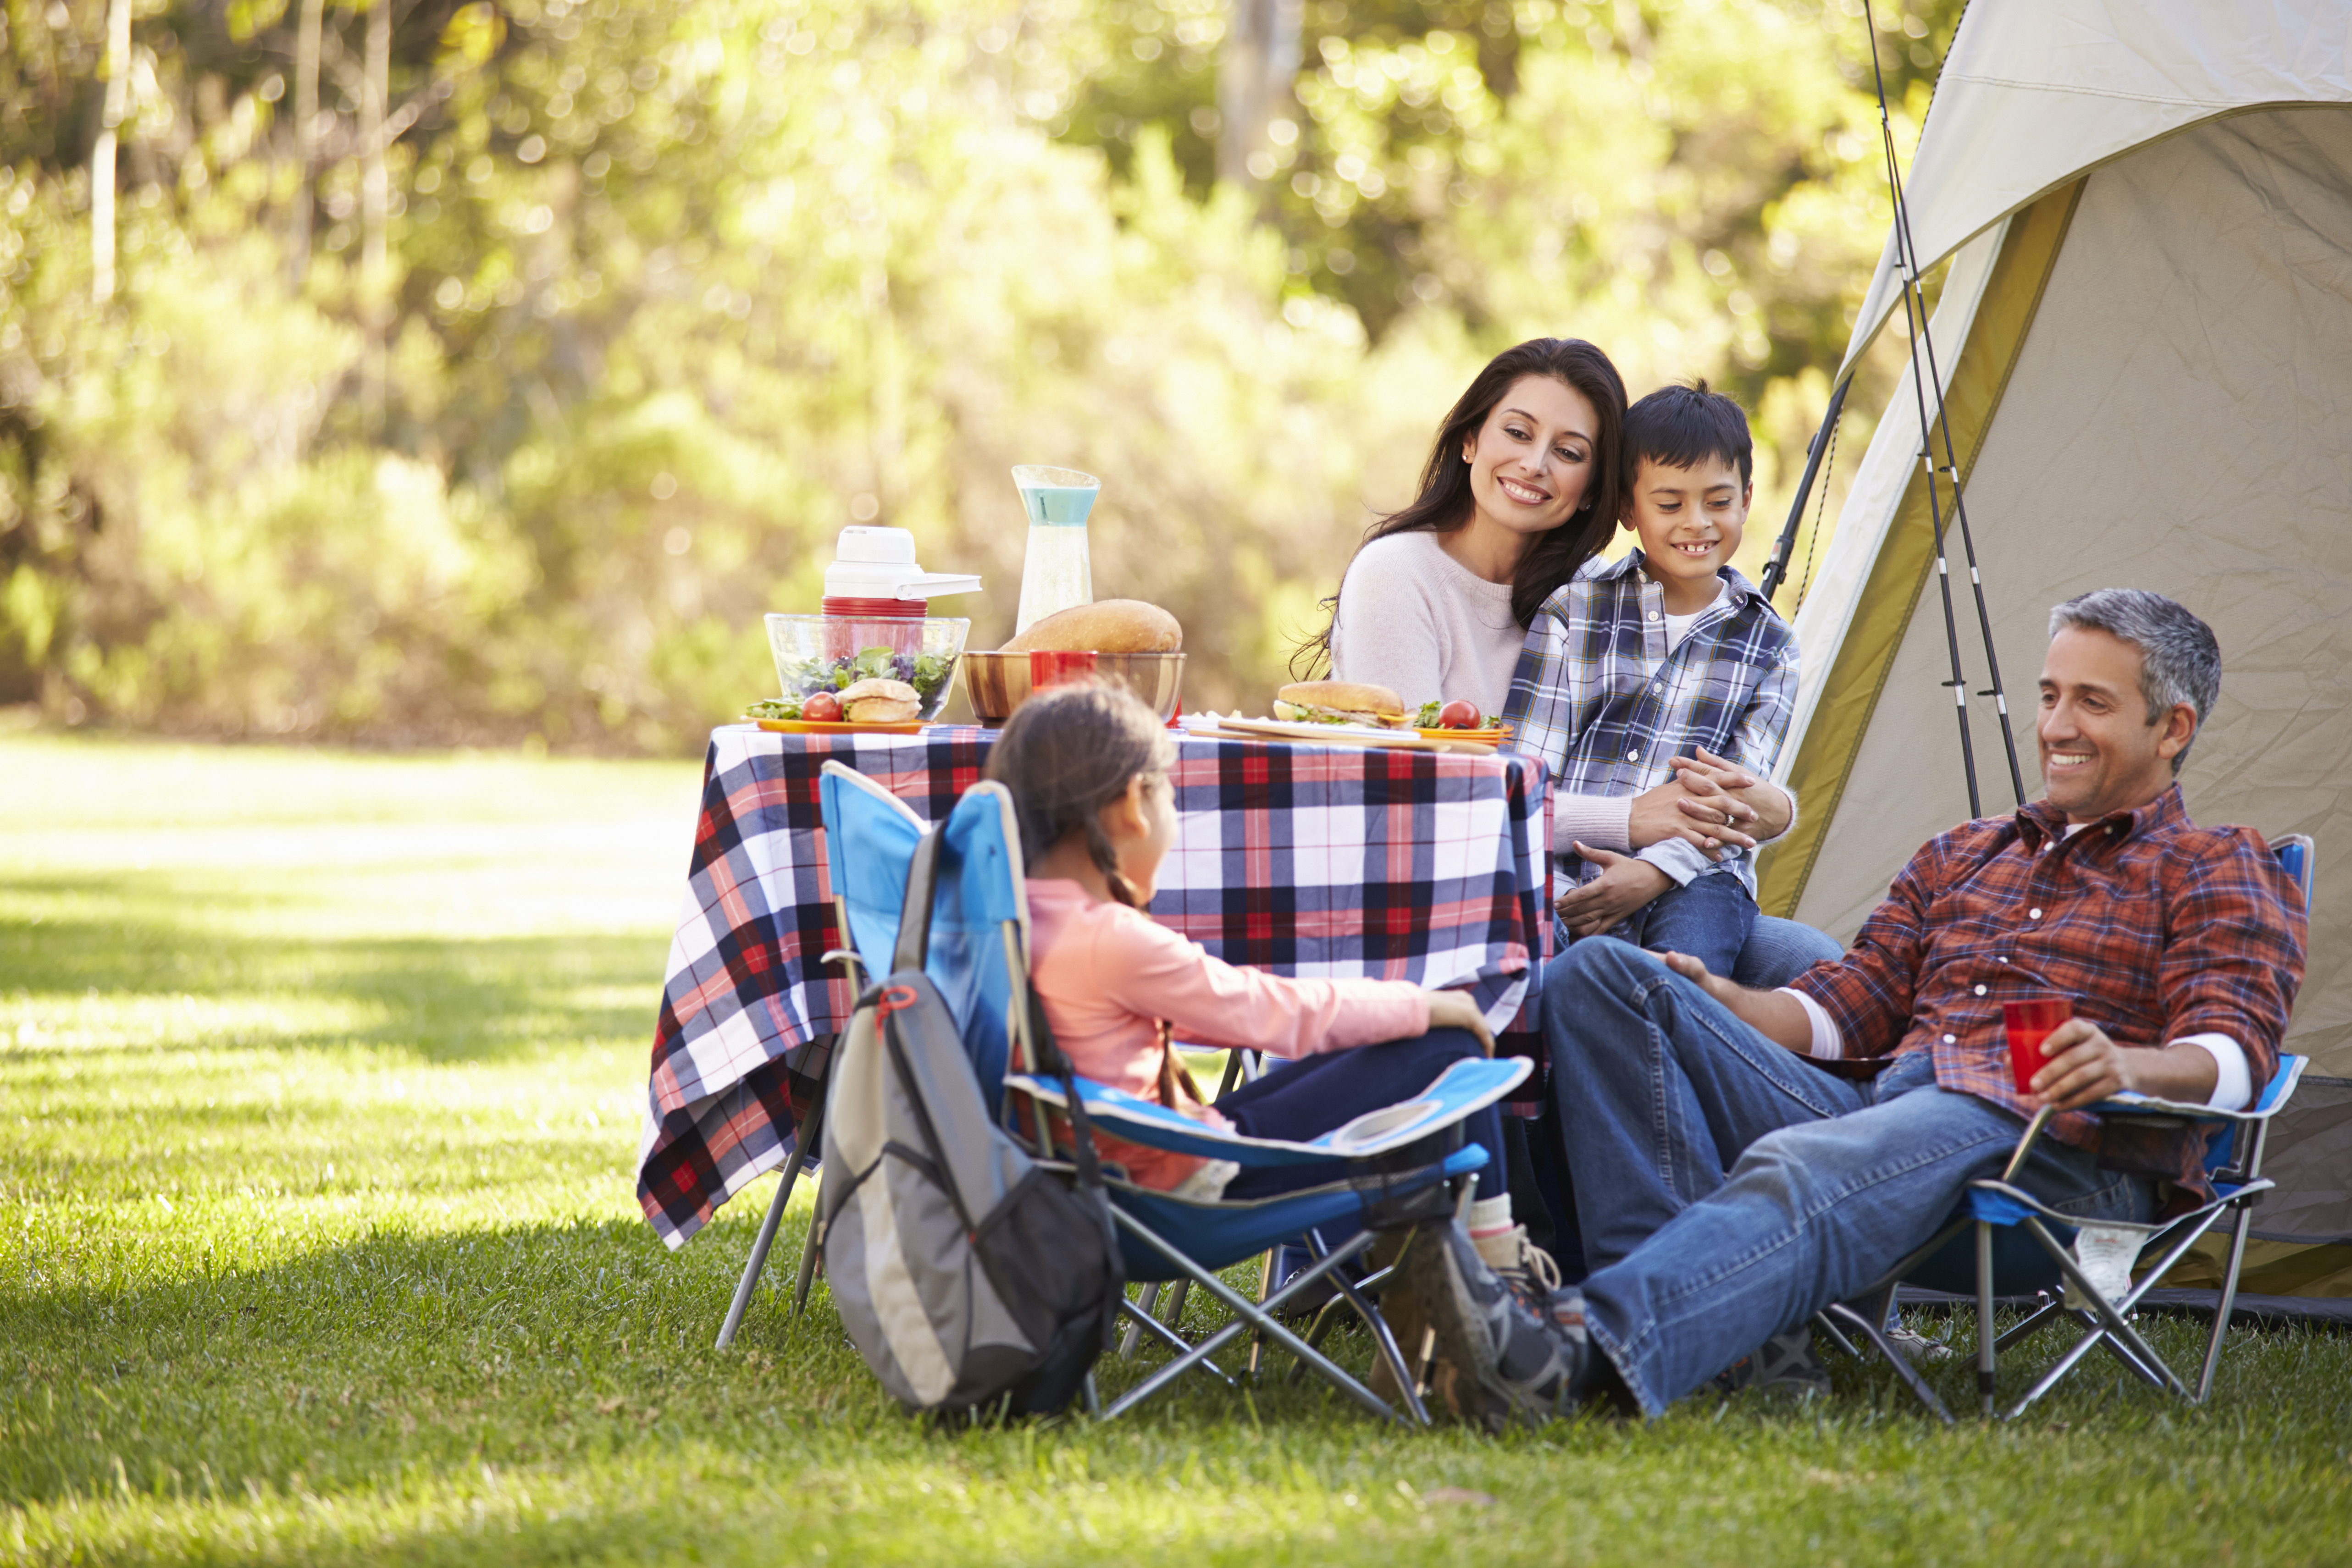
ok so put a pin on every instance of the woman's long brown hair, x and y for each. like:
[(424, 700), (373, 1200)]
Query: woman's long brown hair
[(1446, 502)]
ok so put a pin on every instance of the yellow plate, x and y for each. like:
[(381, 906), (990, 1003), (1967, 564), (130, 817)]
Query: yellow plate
[(1483, 736), (817, 727)]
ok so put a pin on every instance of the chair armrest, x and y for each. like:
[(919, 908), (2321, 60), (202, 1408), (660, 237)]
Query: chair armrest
[(1463, 1088)]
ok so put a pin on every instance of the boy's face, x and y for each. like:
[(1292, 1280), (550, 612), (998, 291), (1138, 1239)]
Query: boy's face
[(1689, 521)]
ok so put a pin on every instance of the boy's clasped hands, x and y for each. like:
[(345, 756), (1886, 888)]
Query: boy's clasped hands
[(1710, 804)]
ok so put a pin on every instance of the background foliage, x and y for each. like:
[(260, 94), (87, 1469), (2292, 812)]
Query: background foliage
[(653, 297)]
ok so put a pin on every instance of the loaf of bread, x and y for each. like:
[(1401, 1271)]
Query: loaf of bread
[(1105, 626)]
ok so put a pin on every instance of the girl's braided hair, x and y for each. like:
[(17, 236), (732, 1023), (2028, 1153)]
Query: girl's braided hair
[(1065, 755)]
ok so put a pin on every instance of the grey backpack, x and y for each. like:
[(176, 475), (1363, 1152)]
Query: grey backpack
[(966, 1274)]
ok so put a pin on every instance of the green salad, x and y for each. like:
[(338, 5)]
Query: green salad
[(929, 674)]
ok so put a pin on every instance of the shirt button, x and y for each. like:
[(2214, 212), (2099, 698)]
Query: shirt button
[(1951, 1040), (1654, 615), (2002, 959), (1634, 754), (1980, 990), (2033, 914)]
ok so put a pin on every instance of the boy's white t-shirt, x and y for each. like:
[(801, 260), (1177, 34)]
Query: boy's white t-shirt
[(1679, 626)]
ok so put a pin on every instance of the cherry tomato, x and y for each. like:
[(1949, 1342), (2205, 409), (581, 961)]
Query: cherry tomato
[(1458, 715), (821, 708)]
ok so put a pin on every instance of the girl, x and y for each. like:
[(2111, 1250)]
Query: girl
[(1519, 490), (1088, 767)]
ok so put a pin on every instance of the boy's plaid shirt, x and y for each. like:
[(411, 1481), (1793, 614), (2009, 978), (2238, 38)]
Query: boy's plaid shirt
[(1602, 701), (2157, 928)]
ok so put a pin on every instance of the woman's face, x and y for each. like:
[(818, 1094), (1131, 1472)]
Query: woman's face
[(1531, 462)]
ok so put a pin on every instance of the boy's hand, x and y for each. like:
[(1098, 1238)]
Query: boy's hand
[(1623, 885), (1664, 813), (1458, 1010), (1714, 789)]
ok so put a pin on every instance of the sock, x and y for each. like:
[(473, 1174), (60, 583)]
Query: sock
[(1490, 1216)]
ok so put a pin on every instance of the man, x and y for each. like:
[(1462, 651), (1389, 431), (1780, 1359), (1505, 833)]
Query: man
[(2179, 946)]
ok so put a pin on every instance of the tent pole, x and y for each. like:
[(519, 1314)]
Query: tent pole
[(1914, 310), (1776, 570)]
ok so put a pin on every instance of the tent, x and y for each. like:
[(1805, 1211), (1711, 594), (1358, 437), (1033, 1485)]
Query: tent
[(2144, 342)]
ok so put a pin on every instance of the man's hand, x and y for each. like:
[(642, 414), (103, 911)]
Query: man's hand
[(1664, 813), (1623, 886), (1778, 1018), (1458, 1010), (2082, 1066), (1718, 792)]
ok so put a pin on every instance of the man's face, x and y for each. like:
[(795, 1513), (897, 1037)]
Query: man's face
[(2099, 753)]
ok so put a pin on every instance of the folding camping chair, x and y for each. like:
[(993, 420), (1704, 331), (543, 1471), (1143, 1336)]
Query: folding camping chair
[(1380, 1168), (2021, 1247)]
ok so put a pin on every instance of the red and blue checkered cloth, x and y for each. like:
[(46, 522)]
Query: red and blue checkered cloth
[(1305, 859)]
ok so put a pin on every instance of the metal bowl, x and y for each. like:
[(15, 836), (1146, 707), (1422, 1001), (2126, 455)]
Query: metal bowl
[(998, 684)]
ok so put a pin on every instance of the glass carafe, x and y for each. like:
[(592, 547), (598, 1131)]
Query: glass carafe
[(1057, 573)]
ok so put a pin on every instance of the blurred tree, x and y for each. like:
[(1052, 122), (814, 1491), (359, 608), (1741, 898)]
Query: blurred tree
[(476, 369)]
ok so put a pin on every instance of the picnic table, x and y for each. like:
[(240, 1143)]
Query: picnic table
[(1315, 860)]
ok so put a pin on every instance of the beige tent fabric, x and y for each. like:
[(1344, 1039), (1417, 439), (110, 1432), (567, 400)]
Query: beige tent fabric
[(2036, 92), (2179, 418)]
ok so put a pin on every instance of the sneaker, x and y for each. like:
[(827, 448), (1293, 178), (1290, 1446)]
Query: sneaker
[(1526, 1268), (1498, 1360), (1916, 1347), (1785, 1363)]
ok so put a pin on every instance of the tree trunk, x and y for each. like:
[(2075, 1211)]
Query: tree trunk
[(1254, 77), (306, 140), (375, 205), (101, 154)]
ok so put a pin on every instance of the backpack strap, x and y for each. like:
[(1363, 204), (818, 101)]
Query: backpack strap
[(1051, 1059), (915, 908)]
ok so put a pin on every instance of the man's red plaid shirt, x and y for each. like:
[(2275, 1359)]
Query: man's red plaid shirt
[(2155, 927)]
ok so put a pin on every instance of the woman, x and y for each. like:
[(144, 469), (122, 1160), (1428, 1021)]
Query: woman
[(1519, 490)]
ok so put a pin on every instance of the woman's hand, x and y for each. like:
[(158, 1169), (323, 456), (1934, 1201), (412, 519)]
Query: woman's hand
[(1664, 813), (1623, 886), (1458, 1010), (1716, 791)]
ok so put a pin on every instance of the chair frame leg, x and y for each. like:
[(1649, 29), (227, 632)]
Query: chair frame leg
[(1131, 1335), (2222, 1308), (802, 1136), (1248, 1315), (1841, 1318), (1139, 1318)]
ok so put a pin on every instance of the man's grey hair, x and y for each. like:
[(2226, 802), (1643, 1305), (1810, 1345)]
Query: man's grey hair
[(2180, 658)]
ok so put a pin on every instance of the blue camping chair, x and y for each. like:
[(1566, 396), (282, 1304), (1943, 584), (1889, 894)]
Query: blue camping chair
[(2021, 1247), (1378, 1164)]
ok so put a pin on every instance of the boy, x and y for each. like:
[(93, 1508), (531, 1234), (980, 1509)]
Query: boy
[(1657, 689)]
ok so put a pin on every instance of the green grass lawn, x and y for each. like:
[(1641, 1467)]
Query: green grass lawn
[(321, 1082)]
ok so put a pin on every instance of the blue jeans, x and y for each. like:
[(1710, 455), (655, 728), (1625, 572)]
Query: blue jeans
[(1661, 1092), (1708, 918), (1312, 1096), (1776, 951)]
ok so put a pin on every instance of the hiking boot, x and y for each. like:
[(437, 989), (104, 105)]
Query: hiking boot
[(1785, 1363), (1401, 1312), (1498, 1360)]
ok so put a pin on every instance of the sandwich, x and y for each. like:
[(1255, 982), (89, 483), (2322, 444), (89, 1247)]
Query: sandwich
[(879, 701), (1340, 702)]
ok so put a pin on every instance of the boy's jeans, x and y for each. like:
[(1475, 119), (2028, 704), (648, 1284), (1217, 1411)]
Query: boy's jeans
[(1708, 918), (1659, 1089)]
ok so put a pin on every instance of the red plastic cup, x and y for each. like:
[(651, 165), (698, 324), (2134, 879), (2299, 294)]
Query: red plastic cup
[(2028, 1023), (1050, 667)]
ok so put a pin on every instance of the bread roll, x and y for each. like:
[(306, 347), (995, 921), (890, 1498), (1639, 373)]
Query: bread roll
[(879, 701), (1105, 626)]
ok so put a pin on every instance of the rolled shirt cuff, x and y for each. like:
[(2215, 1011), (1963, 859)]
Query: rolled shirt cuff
[(1829, 1042), (1605, 821), (2233, 1079), (1678, 858)]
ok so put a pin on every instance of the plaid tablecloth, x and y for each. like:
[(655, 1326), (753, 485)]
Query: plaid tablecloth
[(1313, 861)]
